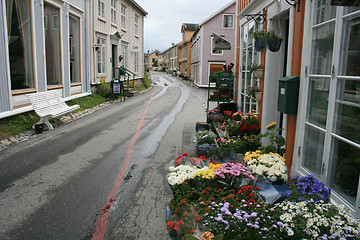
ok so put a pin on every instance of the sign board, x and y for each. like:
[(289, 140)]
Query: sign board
[(135, 48), (116, 87), (345, 3), (98, 45), (220, 43)]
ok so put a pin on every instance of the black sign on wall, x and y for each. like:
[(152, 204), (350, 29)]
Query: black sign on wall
[(345, 3)]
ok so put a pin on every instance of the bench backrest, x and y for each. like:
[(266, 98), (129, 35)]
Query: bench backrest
[(48, 100)]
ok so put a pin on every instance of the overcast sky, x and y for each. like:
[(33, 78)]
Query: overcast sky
[(165, 17)]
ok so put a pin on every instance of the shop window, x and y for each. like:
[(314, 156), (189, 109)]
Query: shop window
[(124, 53), (100, 56), (136, 62), (18, 20), (74, 48), (331, 142), (52, 45)]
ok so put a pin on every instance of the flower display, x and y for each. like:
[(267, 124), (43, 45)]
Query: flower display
[(206, 136), (308, 188), (271, 166), (303, 220), (252, 90), (233, 170), (181, 173), (214, 115), (210, 203)]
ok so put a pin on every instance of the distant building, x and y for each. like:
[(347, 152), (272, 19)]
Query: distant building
[(171, 59), (204, 59), (151, 60), (117, 29), (184, 49)]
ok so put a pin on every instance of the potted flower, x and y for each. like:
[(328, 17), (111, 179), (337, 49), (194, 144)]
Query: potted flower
[(258, 69), (266, 39), (253, 90), (273, 41), (260, 40)]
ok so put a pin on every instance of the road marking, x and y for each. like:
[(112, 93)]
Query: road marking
[(103, 219)]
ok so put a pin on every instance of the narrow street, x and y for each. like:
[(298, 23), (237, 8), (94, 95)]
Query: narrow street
[(57, 185)]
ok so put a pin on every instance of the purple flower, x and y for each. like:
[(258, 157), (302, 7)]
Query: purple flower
[(280, 224)]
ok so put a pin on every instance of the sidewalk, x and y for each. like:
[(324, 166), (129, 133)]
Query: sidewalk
[(4, 143)]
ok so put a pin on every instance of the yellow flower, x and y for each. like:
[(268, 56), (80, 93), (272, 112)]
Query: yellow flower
[(270, 125), (214, 166)]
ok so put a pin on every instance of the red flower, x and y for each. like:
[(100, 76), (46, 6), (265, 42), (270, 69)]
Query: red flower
[(170, 224), (197, 219), (176, 228)]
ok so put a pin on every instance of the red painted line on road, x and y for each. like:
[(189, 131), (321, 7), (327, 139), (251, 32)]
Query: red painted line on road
[(103, 218)]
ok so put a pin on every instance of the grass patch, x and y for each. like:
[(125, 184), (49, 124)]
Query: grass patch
[(146, 83), (87, 102), (14, 125)]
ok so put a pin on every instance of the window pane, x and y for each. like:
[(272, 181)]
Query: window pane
[(52, 45), (318, 101), (345, 170), (324, 11), (313, 149), (347, 113), (322, 49), (20, 44), (351, 9), (352, 50), (74, 38)]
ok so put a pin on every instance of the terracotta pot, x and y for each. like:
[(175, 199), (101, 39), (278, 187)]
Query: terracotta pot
[(259, 73), (258, 96)]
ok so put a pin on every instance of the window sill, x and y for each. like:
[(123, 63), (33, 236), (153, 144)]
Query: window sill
[(102, 19), (114, 25), (137, 36), (123, 29)]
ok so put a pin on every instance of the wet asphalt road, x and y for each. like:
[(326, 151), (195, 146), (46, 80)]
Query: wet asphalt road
[(55, 186)]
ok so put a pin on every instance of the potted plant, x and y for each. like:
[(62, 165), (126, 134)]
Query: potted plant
[(273, 41), (260, 40), (253, 90), (258, 69)]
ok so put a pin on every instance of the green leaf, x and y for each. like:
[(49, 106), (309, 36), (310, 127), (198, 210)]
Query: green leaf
[(269, 149), (219, 237), (190, 237), (280, 140)]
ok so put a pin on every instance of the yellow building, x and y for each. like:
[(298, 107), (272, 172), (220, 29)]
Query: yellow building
[(151, 60), (184, 49)]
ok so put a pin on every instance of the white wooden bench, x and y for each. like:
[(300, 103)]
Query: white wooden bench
[(50, 104)]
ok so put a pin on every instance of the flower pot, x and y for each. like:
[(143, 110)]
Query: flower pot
[(258, 96), (275, 46), (259, 73)]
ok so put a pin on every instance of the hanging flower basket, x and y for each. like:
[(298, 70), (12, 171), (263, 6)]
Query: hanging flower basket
[(260, 73), (273, 41)]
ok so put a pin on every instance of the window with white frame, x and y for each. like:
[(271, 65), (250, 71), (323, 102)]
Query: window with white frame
[(228, 21), (124, 53), (248, 57), (331, 122), (20, 34), (136, 24), (213, 50), (136, 62), (100, 56), (123, 16), (101, 8), (53, 46), (113, 11)]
